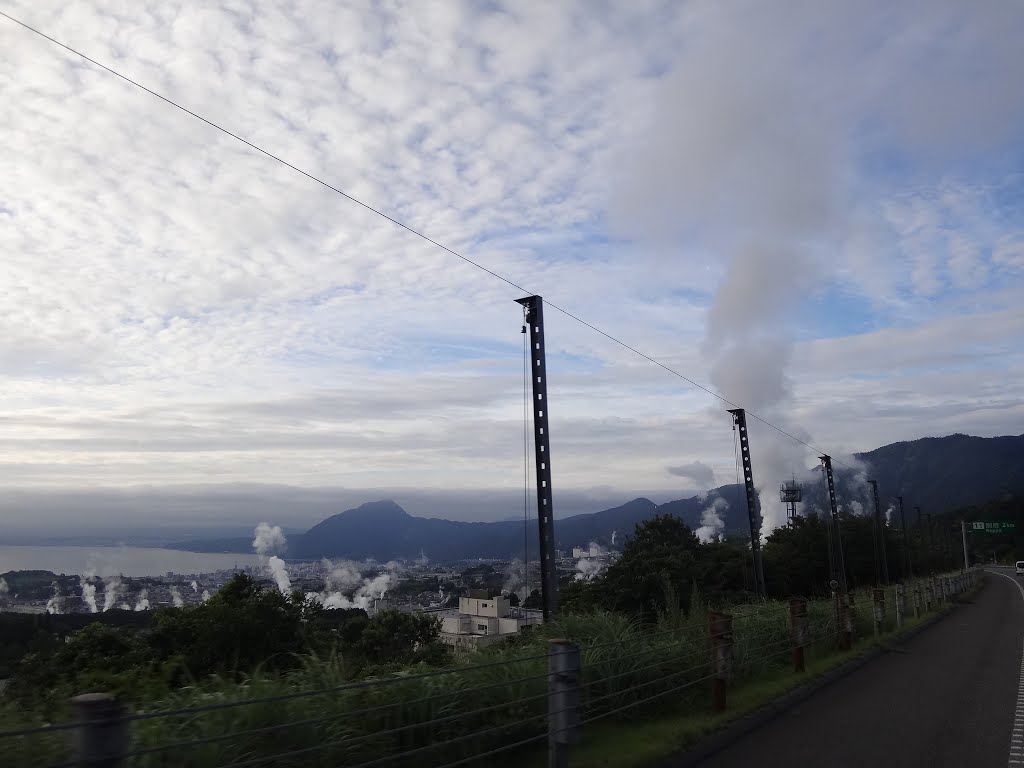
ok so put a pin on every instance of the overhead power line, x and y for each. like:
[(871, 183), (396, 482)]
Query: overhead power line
[(417, 233)]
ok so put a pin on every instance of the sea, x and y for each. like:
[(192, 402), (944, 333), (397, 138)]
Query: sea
[(112, 561)]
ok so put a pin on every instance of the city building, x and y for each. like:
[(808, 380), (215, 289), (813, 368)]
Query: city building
[(481, 619)]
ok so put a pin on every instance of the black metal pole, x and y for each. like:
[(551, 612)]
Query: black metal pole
[(541, 446), (880, 530), (906, 542), (739, 418), (837, 540)]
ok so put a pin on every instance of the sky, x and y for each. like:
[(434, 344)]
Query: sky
[(813, 208)]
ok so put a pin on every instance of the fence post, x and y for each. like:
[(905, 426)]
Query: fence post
[(928, 596), (564, 701), (102, 739), (917, 599), (845, 622), (878, 609), (901, 606), (798, 631), (721, 657)]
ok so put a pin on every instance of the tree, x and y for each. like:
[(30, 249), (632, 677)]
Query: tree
[(393, 637), (662, 550)]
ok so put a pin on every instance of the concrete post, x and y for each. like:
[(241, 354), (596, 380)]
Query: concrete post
[(798, 626), (102, 739), (878, 610), (564, 701), (901, 607), (721, 657)]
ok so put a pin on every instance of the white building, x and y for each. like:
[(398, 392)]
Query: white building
[(482, 620)]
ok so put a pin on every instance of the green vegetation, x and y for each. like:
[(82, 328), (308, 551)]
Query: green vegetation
[(642, 629)]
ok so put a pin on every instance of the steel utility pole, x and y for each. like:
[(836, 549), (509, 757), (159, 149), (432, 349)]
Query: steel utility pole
[(534, 317), (739, 420), (963, 535), (838, 538), (906, 543), (880, 553)]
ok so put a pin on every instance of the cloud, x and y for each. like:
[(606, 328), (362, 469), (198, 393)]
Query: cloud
[(721, 185), (700, 474)]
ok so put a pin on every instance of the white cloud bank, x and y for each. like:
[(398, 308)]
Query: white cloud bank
[(784, 203)]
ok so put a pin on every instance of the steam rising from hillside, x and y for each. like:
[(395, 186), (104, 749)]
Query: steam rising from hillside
[(345, 587), (195, 587), (280, 574), (176, 598), (267, 539), (54, 604), (110, 587), (89, 591), (143, 602), (711, 523)]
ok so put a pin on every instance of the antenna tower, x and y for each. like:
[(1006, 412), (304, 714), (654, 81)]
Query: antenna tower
[(791, 494)]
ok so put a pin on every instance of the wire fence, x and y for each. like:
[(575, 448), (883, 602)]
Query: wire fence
[(498, 710)]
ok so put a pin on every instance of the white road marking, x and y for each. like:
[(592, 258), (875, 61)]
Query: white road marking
[(1018, 715)]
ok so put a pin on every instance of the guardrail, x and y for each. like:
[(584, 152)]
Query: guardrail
[(464, 715)]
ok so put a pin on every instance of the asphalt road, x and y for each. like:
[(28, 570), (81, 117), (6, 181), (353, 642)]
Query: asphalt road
[(948, 700)]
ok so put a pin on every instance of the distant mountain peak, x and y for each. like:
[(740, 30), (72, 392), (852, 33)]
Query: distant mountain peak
[(379, 510)]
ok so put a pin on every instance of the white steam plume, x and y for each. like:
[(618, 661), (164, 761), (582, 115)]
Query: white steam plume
[(124, 607), (176, 598), (341, 576), (614, 534), (206, 595), (110, 587), (195, 587), (422, 560), (588, 568), (54, 604), (268, 539), (280, 574), (711, 523), (515, 580), (89, 591), (889, 513), (371, 589), (4, 588), (143, 602)]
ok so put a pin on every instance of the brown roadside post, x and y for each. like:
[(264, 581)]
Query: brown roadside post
[(721, 657), (878, 610), (798, 631)]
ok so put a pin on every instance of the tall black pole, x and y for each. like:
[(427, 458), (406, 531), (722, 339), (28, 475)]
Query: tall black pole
[(739, 420), (837, 539), (534, 317), (881, 558), (906, 542)]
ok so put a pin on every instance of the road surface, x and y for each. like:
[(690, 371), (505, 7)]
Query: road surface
[(948, 700)]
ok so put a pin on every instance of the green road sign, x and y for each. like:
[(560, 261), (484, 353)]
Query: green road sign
[(994, 526)]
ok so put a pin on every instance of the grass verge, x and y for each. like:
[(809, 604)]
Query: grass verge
[(648, 743)]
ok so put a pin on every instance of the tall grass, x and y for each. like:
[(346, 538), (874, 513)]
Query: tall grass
[(487, 699)]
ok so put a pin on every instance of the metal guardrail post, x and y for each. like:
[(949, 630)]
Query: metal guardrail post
[(721, 657), (564, 701), (901, 605), (102, 739), (798, 634)]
